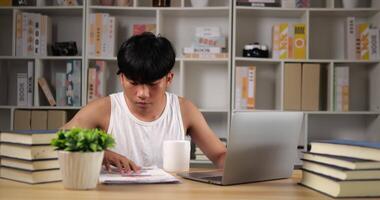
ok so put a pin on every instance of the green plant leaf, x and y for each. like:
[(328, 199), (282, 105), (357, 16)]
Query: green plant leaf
[(82, 140)]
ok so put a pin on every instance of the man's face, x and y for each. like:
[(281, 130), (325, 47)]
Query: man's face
[(144, 97)]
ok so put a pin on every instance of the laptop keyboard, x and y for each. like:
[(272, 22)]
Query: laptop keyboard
[(213, 178)]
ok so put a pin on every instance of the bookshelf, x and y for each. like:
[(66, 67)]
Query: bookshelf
[(324, 45), (209, 83)]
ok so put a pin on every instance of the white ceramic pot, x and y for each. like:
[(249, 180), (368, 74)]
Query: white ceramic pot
[(80, 170), (199, 3), (350, 3)]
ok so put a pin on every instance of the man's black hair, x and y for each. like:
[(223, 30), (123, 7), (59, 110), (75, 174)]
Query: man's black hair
[(145, 58)]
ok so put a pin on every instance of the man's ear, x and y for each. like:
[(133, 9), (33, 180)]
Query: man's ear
[(122, 79), (169, 78)]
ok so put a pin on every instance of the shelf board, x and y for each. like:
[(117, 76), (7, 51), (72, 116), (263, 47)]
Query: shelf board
[(6, 10), (271, 60), (54, 10), (203, 110), (42, 107), (147, 8), (103, 58), (343, 12), (41, 58), (343, 113), (270, 11), (204, 59)]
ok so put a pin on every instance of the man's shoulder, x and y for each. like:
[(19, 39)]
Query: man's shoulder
[(102, 104)]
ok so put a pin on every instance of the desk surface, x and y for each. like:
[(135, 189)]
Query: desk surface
[(279, 189)]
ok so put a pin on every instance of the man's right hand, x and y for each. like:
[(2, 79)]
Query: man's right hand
[(123, 164)]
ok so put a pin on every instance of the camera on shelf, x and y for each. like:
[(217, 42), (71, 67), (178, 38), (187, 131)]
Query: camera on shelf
[(255, 50), (65, 49)]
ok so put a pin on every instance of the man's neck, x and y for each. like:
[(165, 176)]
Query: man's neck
[(148, 114)]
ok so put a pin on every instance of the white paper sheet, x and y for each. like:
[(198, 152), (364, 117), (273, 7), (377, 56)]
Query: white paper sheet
[(147, 175)]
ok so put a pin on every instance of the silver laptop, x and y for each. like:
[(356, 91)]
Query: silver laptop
[(261, 146)]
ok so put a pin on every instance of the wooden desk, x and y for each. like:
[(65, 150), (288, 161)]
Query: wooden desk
[(280, 189)]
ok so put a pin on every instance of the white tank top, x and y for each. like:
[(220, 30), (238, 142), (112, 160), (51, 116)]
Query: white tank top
[(142, 141)]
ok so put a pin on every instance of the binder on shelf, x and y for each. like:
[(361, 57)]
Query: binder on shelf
[(311, 74), (22, 89), (350, 38), (341, 88), (292, 86), (245, 89)]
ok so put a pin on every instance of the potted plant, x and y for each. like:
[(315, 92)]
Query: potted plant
[(80, 156)]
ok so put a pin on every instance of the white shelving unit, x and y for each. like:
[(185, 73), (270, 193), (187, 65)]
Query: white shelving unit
[(325, 45), (209, 83)]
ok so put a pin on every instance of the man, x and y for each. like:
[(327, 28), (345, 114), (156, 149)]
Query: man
[(144, 115)]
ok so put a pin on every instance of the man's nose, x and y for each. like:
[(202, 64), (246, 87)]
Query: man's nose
[(143, 91)]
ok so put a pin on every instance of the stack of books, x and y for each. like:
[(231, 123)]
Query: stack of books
[(26, 156), (343, 168), (208, 43)]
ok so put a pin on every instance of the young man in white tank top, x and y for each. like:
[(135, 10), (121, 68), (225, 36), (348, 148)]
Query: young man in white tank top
[(144, 115)]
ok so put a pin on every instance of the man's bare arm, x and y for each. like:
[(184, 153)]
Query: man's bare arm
[(94, 115), (202, 134)]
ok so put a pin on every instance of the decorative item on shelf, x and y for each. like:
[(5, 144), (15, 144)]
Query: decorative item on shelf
[(255, 50), (199, 3), (65, 48), (161, 3), (67, 2), (302, 3), (106, 2), (20, 2), (350, 3), (122, 2), (80, 155)]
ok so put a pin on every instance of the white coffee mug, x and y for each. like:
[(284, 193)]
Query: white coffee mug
[(176, 155)]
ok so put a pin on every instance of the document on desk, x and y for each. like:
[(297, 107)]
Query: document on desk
[(147, 175)]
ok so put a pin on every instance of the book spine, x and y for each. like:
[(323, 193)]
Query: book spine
[(342, 89), (111, 37), (239, 87), (291, 29), (46, 90), (98, 34), (77, 64), (251, 86), (100, 82), (19, 31), (30, 82), (202, 50), (91, 84), (299, 41), (284, 40), (25, 27), (206, 55), (104, 37), (276, 41), (91, 44), (69, 83), (364, 38), (350, 38), (60, 89), (36, 34), (374, 43), (22, 88), (43, 36)]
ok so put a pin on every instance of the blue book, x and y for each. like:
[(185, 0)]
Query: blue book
[(28, 137), (349, 148)]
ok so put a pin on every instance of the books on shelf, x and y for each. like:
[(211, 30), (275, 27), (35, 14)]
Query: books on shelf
[(5, 2), (46, 90), (56, 119), (60, 88), (341, 88), (289, 41), (292, 86), (22, 89), (141, 28), (343, 168), (343, 162), (73, 83), (208, 43), (22, 119), (361, 40), (245, 88), (310, 94), (103, 29), (33, 34), (39, 120), (96, 81), (338, 188), (31, 176)]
